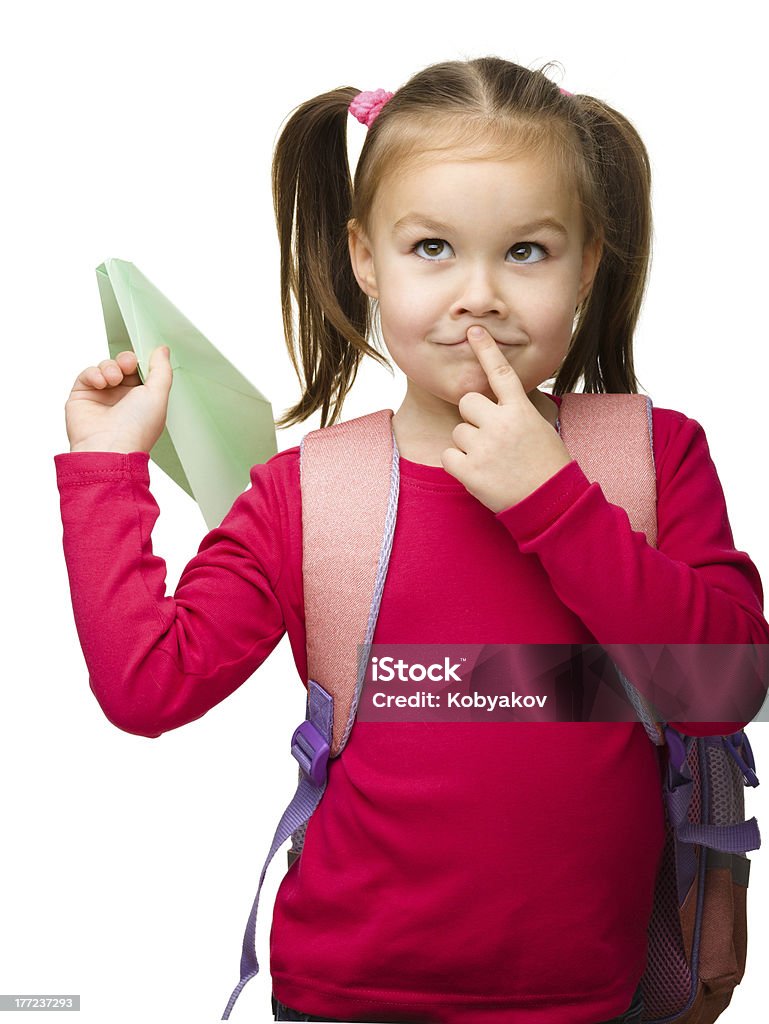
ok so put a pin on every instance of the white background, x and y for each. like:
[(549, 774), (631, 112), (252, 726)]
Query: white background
[(144, 131)]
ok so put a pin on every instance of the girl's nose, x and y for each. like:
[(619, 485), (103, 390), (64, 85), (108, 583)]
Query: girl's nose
[(480, 293)]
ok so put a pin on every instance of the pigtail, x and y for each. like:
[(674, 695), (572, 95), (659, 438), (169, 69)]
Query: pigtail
[(602, 344), (312, 193)]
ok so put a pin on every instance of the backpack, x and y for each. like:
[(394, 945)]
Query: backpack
[(349, 478)]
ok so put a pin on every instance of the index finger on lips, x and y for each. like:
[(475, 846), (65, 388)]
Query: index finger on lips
[(503, 379)]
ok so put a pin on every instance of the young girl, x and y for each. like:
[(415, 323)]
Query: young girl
[(501, 227)]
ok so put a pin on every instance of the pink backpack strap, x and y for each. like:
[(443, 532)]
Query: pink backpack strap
[(349, 480), (611, 437), (624, 467)]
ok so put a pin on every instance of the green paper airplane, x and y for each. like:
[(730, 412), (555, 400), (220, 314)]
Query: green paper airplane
[(218, 424)]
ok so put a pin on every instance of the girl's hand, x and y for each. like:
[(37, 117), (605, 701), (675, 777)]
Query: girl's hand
[(109, 409), (503, 451)]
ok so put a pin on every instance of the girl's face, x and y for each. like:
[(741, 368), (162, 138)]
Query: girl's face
[(457, 243)]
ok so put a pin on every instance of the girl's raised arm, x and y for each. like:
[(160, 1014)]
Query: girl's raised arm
[(157, 661)]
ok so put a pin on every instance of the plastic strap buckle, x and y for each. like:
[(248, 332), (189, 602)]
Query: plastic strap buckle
[(311, 751)]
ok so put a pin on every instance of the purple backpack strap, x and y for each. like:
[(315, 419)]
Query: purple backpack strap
[(310, 746)]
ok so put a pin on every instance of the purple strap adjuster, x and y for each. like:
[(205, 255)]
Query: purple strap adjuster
[(311, 751), (677, 749)]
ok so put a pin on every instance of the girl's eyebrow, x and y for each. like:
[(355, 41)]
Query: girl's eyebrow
[(419, 220)]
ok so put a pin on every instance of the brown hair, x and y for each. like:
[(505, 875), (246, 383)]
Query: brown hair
[(487, 106)]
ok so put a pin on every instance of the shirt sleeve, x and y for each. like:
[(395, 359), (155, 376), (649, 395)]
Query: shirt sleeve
[(694, 588), (158, 661)]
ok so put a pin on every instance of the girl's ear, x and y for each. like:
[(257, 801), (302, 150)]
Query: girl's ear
[(591, 259), (362, 259)]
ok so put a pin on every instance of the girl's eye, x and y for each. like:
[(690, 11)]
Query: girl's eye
[(432, 244), (523, 251)]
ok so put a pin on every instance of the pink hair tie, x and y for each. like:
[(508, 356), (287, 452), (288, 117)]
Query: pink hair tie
[(565, 92), (367, 105)]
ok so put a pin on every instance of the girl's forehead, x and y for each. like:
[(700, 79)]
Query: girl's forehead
[(450, 166), (525, 181)]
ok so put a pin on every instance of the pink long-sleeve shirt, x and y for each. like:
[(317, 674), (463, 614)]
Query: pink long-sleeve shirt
[(452, 872)]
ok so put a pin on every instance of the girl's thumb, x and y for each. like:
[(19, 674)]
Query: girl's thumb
[(160, 373)]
